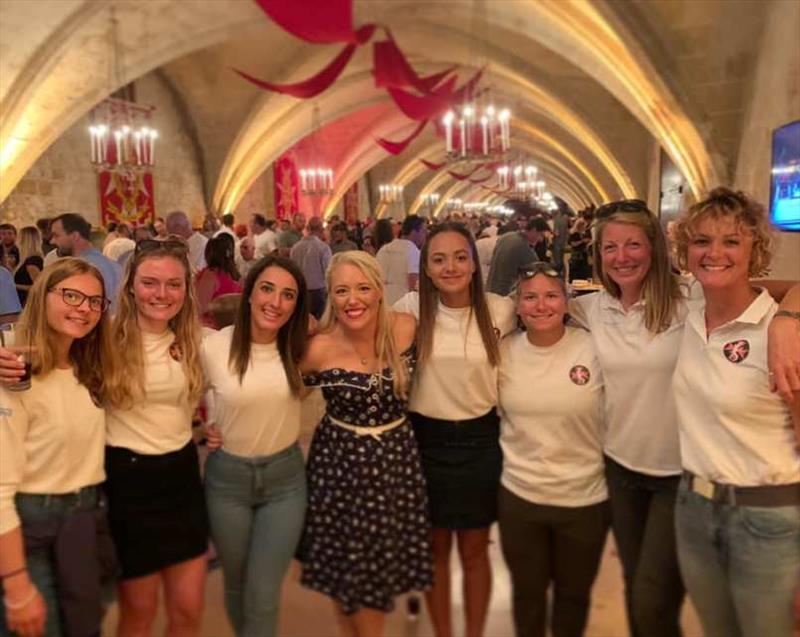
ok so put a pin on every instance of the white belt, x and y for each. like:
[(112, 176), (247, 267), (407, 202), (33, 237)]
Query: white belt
[(375, 432)]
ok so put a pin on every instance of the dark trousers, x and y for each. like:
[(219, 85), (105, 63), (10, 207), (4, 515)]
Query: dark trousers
[(544, 544), (643, 521), (317, 299)]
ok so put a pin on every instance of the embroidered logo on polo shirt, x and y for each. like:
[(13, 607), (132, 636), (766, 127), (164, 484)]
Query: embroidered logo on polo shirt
[(579, 375), (175, 351), (736, 351)]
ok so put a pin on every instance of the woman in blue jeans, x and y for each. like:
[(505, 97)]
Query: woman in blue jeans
[(255, 483), (738, 511)]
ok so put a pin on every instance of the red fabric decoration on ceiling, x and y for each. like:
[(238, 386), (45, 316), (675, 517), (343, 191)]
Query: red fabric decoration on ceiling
[(391, 68), (395, 148), (317, 21), (433, 166)]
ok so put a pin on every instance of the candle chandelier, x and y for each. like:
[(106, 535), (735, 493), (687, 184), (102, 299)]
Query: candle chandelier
[(430, 201), (390, 193), (520, 180), (122, 136), (316, 177)]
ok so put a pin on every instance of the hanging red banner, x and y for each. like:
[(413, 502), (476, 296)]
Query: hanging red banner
[(391, 68), (285, 188), (395, 148), (316, 21), (126, 196)]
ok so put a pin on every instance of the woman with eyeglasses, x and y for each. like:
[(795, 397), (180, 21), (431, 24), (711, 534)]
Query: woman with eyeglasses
[(738, 511), (636, 323), (366, 538), (152, 387), (452, 408), (52, 436), (255, 482), (553, 504)]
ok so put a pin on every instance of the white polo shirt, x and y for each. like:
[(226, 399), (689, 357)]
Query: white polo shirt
[(457, 382), (642, 425), (551, 428), (398, 259), (259, 416), (733, 430)]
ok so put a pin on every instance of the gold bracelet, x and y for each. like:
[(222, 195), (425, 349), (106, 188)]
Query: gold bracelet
[(23, 604)]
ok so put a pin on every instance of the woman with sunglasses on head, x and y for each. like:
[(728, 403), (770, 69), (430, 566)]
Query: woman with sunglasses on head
[(51, 459), (156, 504), (553, 505), (452, 408), (738, 511), (255, 483), (366, 538)]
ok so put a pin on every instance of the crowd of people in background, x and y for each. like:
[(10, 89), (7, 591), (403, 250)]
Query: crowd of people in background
[(458, 393)]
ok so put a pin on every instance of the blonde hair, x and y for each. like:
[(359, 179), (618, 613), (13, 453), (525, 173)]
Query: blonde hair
[(30, 244), (661, 288), (746, 212), (385, 347), (89, 355), (125, 378)]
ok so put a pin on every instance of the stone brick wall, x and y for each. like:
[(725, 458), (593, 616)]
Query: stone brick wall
[(62, 179)]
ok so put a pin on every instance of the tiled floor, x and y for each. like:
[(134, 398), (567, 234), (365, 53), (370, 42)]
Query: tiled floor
[(305, 613)]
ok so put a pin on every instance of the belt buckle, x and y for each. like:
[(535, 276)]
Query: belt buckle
[(703, 487)]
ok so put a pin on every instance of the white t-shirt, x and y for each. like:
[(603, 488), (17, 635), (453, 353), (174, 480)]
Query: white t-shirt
[(457, 382), (551, 427), (642, 425), (117, 247), (162, 421), (260, 416), (733, 430), (197, 248), (52, 439), (398, 259), (485, 247), (265, 243)]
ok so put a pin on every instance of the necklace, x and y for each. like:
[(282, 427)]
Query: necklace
[(363, 361)]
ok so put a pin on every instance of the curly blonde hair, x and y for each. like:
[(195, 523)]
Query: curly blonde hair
[(747, 214)]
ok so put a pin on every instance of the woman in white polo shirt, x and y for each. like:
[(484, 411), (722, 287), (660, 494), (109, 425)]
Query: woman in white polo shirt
[(452, 408), (553, 505), (255, 484), (738, 512), (156, 505)]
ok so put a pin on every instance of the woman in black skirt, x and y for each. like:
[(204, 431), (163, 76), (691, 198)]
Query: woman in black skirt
[(452, 408), (156, 503)]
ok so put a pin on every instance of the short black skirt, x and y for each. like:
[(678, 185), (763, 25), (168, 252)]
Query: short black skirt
[(462, 462), (156, 508)]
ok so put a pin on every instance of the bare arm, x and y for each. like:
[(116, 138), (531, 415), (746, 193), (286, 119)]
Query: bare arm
[(784, 348), (205, 286), (18, 589)]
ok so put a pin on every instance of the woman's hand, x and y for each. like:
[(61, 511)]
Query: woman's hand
[(29, 619), (783, 353), (213, 437), (11, 367)]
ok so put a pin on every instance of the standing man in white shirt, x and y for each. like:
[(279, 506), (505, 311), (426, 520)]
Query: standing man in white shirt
[(266, 241), (399, 259), (312, 254), (228, 221), (177, 223)]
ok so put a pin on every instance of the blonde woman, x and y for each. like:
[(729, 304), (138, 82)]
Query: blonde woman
[(366, 538), (156, 504), (51, 460), (738, 511), (31, 261)]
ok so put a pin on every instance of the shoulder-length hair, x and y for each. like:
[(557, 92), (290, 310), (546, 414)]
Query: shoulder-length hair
[(292, 336), (429, 298), (30, 244), (89, 355), (661, 289), (125, 379), (385, 347), (219, 255), (746, 213)]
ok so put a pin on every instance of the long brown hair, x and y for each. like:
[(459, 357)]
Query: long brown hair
[(429, 298), (661, 288), (385, 347), (89, 355), (292, 336), (126, 376)]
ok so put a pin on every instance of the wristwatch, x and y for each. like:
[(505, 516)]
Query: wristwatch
[(789, 313)]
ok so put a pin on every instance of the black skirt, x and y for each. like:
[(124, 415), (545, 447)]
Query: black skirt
[(156, 508), (462, 462)]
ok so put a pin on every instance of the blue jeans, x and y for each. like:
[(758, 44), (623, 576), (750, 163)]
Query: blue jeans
[(256, 507), (741, 565)]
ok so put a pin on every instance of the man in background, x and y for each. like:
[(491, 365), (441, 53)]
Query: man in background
[(339, 240), (177, 223), (312, 255), (399, 258), (512, 251), (264, 240)]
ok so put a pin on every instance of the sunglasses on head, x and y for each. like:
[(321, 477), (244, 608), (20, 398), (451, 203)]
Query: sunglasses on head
[(624, 205), (176, 245), (538, 267)]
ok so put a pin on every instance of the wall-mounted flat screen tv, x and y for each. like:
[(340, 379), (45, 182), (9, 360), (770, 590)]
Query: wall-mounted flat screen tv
[(785, 175)]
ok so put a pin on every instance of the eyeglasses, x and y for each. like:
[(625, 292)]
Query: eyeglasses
[(624, 205), (75, 298), (175, 245), (538, 267)]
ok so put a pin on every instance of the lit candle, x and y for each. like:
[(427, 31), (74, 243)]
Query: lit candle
[(93, 134), (448, 131), (103, 142), (118, 144), (485, 132), (137, 147), (153, 137), (463, 129)]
